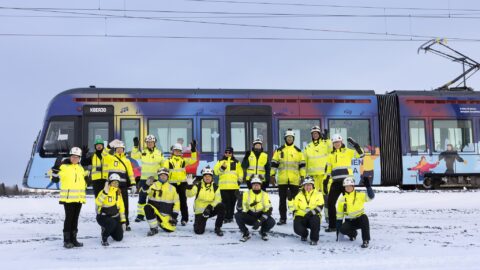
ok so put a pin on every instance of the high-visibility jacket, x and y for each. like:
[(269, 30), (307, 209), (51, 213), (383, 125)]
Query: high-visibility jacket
[(288, 163), (97, 164), (110, 204), (257, 203), (72, 183), (305, 202), (151, 161), (228, 178), (205, 195), (121, 165), (254, 165), (176, 165), (350, 205), (316, 156), (164, 198), (339, 163)]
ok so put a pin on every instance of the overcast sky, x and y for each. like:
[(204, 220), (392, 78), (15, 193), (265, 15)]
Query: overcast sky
[(282, 47)]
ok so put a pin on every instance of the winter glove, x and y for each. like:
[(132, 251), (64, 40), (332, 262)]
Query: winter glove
[(224, 166), (355, 145), (256, 224), (136, 142), (134, 189), (124, 226), (351, 141), (106, 188), (289, 195), (193, 146), (150, 181), (309, 214), (173, 221), (190, 179), (84, 151), (207, 212)]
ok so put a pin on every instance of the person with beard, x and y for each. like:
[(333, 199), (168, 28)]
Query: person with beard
[(98, 172), (450, 155), (256, 162), (288, 165)]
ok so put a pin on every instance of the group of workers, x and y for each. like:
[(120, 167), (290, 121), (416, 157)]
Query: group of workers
[(308, 181)]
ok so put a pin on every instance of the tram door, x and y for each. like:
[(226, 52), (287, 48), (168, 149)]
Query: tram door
[(97, 123), (247, 123)]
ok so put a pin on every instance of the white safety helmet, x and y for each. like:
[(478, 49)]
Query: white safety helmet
[(120, 144), (289, 132), (316, 129), (256, 180), (76, 151), (114, 177), (207, 170), (257, 140), (308, 180), (177, 146), (163, 171), (337, 138), (349, 181), (150, 138)]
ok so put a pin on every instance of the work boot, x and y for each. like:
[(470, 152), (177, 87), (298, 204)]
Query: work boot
[(67, 241), (74, 239), (330, 229), (128, 228), (152, 231), (282, 222), (105, 243), (313, 243), (264, 236), (245, 237), (352, 238), (218, 231), (303, 239), (227, 220), (365, 244), (183, 222), (139, 218)]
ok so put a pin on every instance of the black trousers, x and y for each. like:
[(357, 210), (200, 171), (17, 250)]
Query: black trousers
[(200, 221), (229, 200), (181, 190), (72, 212), (302, 224), (111, 227), (350, 227), (335, 190), (124, 190), (98, 185), (243, 219), (282, 193)]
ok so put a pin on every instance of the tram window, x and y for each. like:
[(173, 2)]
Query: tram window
[(358, 129), (417, 135), (171, 131), (238, 135), (300, 127), (60, 137), (97, 130), (210, 135), (130, 128), (457, 133), (260, 131)]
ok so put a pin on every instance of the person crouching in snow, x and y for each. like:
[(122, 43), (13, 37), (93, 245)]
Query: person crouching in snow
[(255, 210), (307, 207), (163, 203), (110, 210), (208, 202), (350, 206)]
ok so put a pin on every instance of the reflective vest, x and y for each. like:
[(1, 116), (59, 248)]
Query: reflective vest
[(72, 183), (305, 202), (228, 178), (176, 166), (151, 161), (257, 166), (164, 198), (339, 163), (316, 156), (288, 163), (110, 204), (99, 170), (350, 205), (205, 195), (257, 203), (122, 166)]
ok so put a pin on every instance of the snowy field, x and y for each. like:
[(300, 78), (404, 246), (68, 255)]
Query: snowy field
[(409, 230)]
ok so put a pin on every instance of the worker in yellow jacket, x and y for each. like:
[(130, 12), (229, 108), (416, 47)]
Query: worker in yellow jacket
[(350, 207), (110, 210), (151, 160), (208, 202), (230, 174), (256, 162), (97, 162), (316, 156), (288, 165), (71, 176), (162, 205), (178, 175), (339, 166), (307, 207)]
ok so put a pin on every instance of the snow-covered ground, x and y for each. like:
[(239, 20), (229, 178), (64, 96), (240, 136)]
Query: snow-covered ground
[(410, 230)]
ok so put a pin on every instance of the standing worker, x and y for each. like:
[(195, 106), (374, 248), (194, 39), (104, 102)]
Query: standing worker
[(121, 165), (178, 175), (71, 176), (316, 156), (208, 202), (256, 162), (110, 210), (97, 161), (339, 167), (288, 164), (151, 159), (230, 174), (351, 208)]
